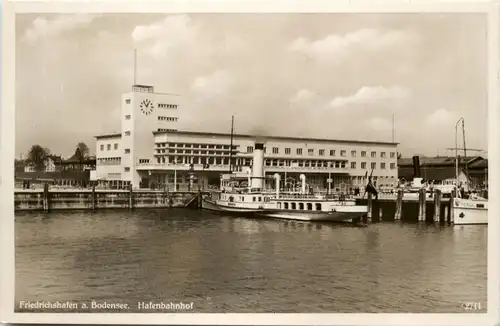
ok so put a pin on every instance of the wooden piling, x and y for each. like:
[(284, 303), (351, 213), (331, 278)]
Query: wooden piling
[(200, 198), (375, 211), (450, 211), (370, 205), (437, 205), (421, 204), (442, 213), (46, 198), (399, 205), (130, 198), (452, 203), (93, 198)]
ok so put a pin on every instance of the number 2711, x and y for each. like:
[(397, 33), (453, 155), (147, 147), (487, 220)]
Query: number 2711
[(471, 305)]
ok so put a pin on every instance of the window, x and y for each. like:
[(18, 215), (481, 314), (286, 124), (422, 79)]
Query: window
[(127, 133), (382, 166), (275, 150), (363, 165), (374, 154), (310, 151), (393, 166), (363, 153), (288, 150), (299, 151), (102, 147), (127, 150), (353, 165), (332, 152), (393, 155), (353, 153), (249, 149), (265, 150), (321, 152), (343, 153), (127, 169), (382, 154), (373, 165), (116, 146), (127, 117), (109, 147), (127, 101)]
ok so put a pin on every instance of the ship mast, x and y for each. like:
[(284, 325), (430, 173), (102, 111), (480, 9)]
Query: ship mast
[(231, 146), (465, 154), (456, 154)]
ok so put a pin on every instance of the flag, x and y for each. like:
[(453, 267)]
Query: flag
[(371, 189)]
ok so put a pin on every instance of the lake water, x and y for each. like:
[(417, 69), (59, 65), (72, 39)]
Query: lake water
[(226, 264)]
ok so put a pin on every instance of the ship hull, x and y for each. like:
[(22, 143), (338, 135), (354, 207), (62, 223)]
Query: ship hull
[(350, 213), (214, 207), (470, 212), (331, 216)]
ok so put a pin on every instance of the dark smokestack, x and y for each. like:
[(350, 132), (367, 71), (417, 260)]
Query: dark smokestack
[(416, 167), (259, 145)]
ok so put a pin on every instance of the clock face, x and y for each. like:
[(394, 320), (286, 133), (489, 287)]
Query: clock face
[(146, 107)]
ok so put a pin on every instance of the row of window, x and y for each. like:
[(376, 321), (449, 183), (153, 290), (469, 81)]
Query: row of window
[(194, 145), (270, 163), (108, 147), (194, 152), (167, 130), (168, 106), (167, 118), (321, 152), (109, 161)]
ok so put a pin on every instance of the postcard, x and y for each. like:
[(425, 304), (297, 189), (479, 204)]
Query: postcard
[(246, 162)]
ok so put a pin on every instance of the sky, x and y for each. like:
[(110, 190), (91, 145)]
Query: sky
[(339, 76)]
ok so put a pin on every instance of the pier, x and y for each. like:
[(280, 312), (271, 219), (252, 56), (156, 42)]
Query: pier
[(47, 199), (423, 207)]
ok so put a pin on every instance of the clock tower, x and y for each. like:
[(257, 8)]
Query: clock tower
[(143, 112)]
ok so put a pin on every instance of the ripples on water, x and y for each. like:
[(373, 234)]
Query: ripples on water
[(226, 264)]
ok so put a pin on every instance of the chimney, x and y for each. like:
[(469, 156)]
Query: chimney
[(416, 167), (258, 166)]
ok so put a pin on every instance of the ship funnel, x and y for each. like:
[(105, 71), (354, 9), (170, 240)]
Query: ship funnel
[(303, 183), (258, 166), (277, 177), (416, 167)]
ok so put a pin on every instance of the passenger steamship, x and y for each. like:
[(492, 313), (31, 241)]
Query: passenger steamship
[(255, 202)]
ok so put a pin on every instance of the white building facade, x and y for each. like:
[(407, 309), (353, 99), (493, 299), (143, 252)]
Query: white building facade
[(150, 151)]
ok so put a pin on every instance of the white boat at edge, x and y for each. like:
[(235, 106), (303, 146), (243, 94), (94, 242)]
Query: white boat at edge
[(470, 211)]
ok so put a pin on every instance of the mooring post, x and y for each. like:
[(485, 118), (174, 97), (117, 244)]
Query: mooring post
[(46, 197), (199, 199), (451, 216), (399, 205), (450, 210), (93, 199), (375, 211), (437, 205), (370, 206), (130, 198), (421, 204)]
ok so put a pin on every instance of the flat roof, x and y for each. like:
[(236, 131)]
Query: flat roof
[(108, 136), (214, 134)]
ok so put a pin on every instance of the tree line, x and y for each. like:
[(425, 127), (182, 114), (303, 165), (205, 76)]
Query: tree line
[(38, 155)]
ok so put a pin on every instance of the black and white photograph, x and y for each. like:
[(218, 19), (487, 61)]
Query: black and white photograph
[(180, 163)]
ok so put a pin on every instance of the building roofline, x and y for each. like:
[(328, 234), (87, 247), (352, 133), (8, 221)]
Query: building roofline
[(200, 133), (108, 136)]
